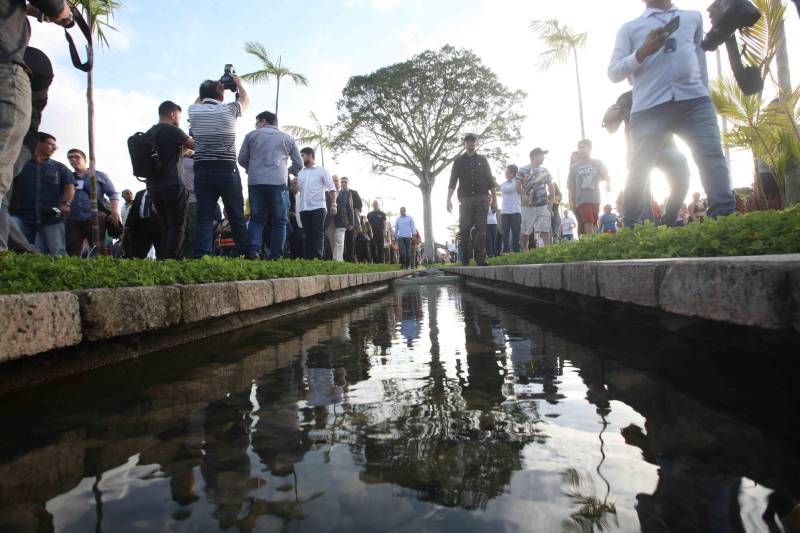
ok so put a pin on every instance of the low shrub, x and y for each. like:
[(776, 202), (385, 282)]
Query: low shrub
[(39, 273)]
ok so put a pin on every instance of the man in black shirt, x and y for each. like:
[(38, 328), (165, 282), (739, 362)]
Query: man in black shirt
[(476, 194), (169, 195), (377, 222)]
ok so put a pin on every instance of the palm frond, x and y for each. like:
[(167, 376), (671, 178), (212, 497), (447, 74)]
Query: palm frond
[(761, 41), (299, 79), (99, 14), (257, 49)]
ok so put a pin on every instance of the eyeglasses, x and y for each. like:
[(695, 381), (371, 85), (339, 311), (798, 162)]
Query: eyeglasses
[(670, 45)]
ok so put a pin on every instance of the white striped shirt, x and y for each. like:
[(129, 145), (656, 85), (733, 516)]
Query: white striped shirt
[(213, 127)]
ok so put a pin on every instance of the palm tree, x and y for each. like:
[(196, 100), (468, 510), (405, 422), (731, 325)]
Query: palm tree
[(98, 14), (270, 69), (562, 43), (317, 135)]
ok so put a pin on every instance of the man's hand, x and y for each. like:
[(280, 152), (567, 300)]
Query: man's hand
[(64, 18), (449, 205), (65, 209), (333, 210), (494, 205), (653, 43), (114, 216)]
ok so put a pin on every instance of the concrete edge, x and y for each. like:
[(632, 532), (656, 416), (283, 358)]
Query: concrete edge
[(40, 322), (756, 291)]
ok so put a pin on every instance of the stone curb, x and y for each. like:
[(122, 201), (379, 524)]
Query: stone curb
[(758, 291), (40, 322)]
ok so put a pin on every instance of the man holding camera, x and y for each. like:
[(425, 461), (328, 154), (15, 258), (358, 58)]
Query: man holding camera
[(660, 53), (15, 91), (213, 127), (265, 154)]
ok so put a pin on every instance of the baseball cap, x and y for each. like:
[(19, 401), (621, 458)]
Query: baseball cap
[(539, 151)]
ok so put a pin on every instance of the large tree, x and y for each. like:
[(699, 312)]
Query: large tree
[(409, 118)]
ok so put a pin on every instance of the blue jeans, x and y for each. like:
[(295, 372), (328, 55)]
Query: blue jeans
[(693, 120), (511, 223), (405, 251), (314, 229), (49, 239), (491, 235), (210, 183), (268, 202)]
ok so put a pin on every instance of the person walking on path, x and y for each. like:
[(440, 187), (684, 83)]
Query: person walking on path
[(584, 186), (670, 95), (377, 222), (345, 219), (535, 185), (472, 175), (314, 183), (265, 154), (405, 230), (510, 211)]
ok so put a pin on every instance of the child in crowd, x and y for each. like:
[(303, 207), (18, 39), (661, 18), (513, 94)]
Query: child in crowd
[(608, 220)]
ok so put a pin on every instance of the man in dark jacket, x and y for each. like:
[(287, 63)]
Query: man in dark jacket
[(142, 228), (343, 220)]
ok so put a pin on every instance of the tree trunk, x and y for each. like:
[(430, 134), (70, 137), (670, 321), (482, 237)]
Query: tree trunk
[(96, 237), (792, 185), (322, 154), (277, 95), (427, 213), (782, 62), (580, 94)]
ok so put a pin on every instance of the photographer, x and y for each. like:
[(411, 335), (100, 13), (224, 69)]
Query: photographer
[(15, 91), (663, 59), (213, 126)]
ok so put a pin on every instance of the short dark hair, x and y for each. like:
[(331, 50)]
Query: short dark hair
[(211, 89), (168, 107), (309, 151), (44, 137), (513, 168), (269, 117), (586, 142), (77, 151)]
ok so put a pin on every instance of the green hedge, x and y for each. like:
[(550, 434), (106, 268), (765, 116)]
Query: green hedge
[(759, 233), (37, 273)]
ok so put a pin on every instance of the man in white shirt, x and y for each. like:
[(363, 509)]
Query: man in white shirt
[(568, 226), (510, 211), (670, 95), (405, 230), (313, 183)]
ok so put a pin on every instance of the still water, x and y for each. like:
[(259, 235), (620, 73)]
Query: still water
[(424, 409)]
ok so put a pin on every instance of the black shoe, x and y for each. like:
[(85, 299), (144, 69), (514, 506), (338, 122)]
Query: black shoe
[(483, 264)]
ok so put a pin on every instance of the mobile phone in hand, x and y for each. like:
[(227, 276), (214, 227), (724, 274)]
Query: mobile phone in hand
[(671, 26)]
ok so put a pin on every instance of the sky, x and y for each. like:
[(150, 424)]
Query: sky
[(163, 49)]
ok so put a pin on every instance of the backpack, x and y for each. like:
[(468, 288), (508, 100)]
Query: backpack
[(144, 156)]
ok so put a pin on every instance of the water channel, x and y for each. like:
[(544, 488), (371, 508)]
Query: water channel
[(424, 409)]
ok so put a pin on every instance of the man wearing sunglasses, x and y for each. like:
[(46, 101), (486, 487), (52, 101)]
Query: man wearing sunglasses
[(663, 60)]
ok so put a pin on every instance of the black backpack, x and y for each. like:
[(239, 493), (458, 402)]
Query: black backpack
[(144, 156)]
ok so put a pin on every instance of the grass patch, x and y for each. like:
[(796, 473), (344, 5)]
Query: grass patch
[(39, 273), (758, 233)]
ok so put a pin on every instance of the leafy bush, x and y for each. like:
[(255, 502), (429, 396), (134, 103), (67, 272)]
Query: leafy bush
[(39, 273), (758, 233)]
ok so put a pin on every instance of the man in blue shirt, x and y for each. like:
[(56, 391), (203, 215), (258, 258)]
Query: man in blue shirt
[(670, 95), (79, 224), (42, 198), (405, 230)]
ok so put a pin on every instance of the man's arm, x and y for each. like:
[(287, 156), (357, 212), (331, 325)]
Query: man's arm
[(244, 100), (244, 152), (452, 186), (297, 161), (626, 60), (413, 226), (334, 209), (551, 192), (113, 196)]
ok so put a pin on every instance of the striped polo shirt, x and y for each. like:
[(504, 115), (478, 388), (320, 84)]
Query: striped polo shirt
[(213, 126)]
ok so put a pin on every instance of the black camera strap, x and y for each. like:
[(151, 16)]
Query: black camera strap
[(73, 51), (748, 78)]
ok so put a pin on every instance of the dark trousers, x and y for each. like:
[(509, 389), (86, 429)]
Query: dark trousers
[(511, 225), (296, 239), (171, 202), (213, 181), (188, 232), (350, 245), (79, 230), (313, 227), (472, 213), (136, 243), (405, 251), (376, 244), (491, 234)]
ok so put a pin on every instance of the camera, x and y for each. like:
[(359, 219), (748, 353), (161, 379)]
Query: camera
[(50, 214), (728, 16), (227, 80)]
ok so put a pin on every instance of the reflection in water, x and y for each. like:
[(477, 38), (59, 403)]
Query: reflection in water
[(427, 408)]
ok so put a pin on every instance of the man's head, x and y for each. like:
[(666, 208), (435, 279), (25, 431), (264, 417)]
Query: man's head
[(212, 89), (335, 180), (470, 143), (566, 213), (170, 113), (46, 145), (537, 157), (585, 149), (345, 183), (658, 4), (607, 209), (127, 195), (77, 159), (376, 206), (266, 118), (308, 156), (402, 211), (696, 197), (511, 172)]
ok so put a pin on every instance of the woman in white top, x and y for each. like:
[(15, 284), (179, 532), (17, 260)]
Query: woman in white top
[(491, 233), (510, 211)]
